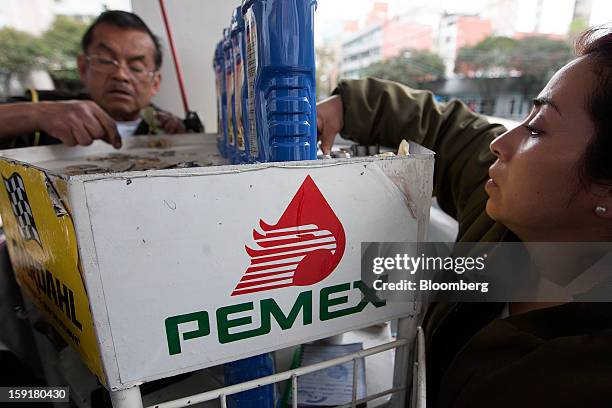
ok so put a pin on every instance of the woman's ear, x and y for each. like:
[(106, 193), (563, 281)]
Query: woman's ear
[(603, 207)]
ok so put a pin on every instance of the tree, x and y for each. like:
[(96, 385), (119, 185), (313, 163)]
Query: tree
[(411, 68), (62, 45), (20, 52), (577, 26), (55, 51), (532, 59), (537, 59), (490, 57)]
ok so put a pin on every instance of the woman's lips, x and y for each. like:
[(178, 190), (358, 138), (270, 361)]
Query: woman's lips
[(491, 184)]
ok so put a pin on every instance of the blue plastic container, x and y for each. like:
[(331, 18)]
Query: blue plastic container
[(240, 89), (229, 90), (281, 62), (218, 65), (250, 369)]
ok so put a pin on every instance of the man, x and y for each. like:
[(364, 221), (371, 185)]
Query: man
[(119, 68)]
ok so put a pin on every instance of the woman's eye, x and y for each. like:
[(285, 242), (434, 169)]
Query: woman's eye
[(533, 131)]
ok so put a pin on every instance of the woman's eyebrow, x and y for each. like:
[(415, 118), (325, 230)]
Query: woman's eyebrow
[(544, 100)]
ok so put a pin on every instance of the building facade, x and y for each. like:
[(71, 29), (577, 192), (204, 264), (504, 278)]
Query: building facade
[(383, 38), (500, 97), (458, 31)]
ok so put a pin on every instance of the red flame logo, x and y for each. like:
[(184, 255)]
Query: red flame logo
[(302, 248)]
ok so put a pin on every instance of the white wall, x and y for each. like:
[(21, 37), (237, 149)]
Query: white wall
[(196, 27)]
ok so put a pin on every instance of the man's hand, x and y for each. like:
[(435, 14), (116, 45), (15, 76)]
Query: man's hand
[(330, 121), (169, 123), (76, 123)]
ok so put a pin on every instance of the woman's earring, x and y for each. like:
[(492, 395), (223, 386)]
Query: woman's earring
[(601, 210)]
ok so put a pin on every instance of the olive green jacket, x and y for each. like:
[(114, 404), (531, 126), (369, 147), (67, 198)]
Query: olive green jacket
[(383, 112), (475, 359)]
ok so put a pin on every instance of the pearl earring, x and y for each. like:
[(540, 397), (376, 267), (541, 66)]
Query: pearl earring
[(601, 210)]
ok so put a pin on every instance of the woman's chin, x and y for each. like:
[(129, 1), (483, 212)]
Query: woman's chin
[(492, 210)]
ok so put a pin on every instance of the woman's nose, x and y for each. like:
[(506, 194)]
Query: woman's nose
[(502, 146)]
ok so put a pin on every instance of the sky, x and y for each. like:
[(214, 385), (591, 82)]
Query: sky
[(331, 14), (352, 9), (90, 6), (333, 11), (557, 13)]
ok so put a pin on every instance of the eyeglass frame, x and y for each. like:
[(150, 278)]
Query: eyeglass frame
[(117, 65)]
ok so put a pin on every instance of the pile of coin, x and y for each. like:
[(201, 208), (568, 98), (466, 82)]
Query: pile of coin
[(123, 162)]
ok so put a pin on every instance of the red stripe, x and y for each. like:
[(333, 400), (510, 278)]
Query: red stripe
[(245, 291), (276, 258), (264, 252), (267, 234), (257, 283), (263, 275), (303, 238), (268, 259), (264, 268)]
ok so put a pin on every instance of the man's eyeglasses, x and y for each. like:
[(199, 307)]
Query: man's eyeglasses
[(109, 65)]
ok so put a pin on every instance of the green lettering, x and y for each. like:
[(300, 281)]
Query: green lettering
[(369, 296), (270, 308), (224, 324), (172, 331), (325, 302)]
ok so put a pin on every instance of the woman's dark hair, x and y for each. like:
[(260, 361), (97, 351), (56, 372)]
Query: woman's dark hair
[(125, 20), (595, 44)]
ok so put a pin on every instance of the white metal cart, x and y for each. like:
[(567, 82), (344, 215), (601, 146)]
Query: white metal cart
[(65, 369), (152, 273)]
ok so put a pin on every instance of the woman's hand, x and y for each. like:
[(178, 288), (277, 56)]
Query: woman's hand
[(330, 121)]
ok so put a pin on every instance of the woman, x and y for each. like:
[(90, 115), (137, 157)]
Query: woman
[(548, 180)]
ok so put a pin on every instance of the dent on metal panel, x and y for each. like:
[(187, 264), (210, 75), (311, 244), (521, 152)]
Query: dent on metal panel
[(414, 179)]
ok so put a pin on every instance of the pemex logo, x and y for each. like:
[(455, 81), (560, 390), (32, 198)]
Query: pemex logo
[(301, 249)]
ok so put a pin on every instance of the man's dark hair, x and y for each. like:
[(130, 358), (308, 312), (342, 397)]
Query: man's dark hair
[(595, 44), (125, 20)]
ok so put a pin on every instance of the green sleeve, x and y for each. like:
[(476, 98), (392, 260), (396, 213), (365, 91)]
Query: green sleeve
[(384, 112)]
